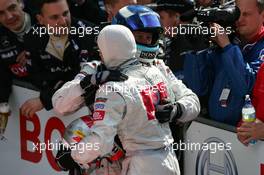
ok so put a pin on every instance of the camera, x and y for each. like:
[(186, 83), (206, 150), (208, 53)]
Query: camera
[(225, 16)]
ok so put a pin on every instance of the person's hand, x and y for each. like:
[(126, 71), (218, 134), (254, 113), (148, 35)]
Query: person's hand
[(219, 35), (242, 139), (250, 131), (168, 113), (163, 112), (31, 106), (22, 58), (102, 77)]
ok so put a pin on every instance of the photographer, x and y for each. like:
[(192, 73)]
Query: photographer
[(227, 73)]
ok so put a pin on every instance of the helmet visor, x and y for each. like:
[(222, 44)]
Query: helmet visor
[(145, 21)]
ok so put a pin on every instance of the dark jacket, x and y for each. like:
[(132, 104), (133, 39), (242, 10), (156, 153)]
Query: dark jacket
[(49, 73), (10, 48)]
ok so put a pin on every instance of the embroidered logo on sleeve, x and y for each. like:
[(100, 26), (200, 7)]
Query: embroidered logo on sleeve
[(99, 106), (100, 99), (19, 70), (98, 115)]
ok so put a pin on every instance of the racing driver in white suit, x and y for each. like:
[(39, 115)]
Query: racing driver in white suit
[(128, 110)]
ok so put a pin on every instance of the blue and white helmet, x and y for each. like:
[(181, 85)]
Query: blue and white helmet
[(141, 18)]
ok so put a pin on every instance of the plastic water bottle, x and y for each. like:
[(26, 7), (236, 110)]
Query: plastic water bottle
[(249, 113), (4, 115)]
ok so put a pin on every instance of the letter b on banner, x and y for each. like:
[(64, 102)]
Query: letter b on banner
[(27, 135)]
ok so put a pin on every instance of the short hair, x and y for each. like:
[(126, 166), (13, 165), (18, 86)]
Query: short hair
[(41, 3), (171, 12), (260, 5), (111, 2)]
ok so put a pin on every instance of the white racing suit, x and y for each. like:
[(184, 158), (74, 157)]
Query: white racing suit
[(128, 110)]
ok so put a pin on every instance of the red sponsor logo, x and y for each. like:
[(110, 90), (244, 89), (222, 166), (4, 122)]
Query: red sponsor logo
[(261, 169), (88, 120), (152, 96), (77, 139), (33, 136), (98, 115), (19, 70)]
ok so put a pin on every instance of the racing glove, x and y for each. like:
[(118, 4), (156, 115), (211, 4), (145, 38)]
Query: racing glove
[(168, 113)]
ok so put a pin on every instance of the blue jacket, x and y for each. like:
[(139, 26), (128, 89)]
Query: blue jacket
[(210, 71)]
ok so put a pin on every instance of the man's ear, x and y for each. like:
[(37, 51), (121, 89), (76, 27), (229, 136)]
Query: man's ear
[(21, 4), (40, 19), (109, 12), (110, 16), (262, 15), (176, 19)]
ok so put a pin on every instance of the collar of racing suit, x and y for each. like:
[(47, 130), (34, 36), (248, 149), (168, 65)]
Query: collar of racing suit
[(128, 64), (117, 45)]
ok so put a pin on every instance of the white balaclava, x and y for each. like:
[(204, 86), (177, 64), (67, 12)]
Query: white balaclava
[(117, 45)]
